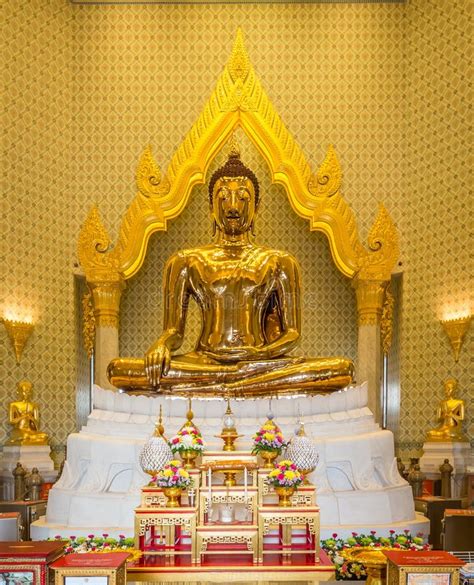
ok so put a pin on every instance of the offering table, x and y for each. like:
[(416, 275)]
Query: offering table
[(174, 522), (287, 519)]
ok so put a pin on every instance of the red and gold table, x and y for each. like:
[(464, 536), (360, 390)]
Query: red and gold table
[(162, 531), (287, 519), (88, 568), (28, 561), (422, 568)]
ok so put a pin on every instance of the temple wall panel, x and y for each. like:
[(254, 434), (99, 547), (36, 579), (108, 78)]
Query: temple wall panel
[(87, 87)]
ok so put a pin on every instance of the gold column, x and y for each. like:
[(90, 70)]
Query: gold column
[(370, 297), (106, 297)]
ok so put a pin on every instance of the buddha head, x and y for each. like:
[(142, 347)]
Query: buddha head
[(233, 196), (450, 386), (24, 389)]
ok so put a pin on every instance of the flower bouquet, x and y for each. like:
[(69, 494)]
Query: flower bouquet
[(285, 479), (100, 544), (173, 478), (188, 443), (268, 442)]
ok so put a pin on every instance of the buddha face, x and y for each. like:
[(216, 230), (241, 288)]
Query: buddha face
[(24, 389), (233, 204), (450, 387)]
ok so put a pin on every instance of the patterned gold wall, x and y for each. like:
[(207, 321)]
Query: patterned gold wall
[(88, 86), (40, 211), (437, 209)]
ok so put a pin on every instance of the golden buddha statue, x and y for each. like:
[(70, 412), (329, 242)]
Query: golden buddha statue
[(450, 414), (248, 297), (23, 414)]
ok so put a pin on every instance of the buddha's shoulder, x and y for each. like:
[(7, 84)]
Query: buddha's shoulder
[(204, 253), (183, 256), (280, 256)]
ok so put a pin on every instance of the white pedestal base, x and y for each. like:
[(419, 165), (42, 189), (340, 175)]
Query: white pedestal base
[(460, 456), (29, 456), (358, 484)]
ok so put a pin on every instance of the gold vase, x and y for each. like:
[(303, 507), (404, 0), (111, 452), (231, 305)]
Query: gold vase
[(173, 496), (269, 458), (284, 495), (188, 457)]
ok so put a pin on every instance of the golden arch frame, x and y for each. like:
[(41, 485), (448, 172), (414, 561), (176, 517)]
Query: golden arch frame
[(239, 100)]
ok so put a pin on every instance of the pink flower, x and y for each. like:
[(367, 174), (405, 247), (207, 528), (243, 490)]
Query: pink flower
[(392, 531), (105, 535), (258, 439), (90, 536), (293, 467), (354, 534), (334, 535), (58, 537), (373, 532), (281, 476), (175, 440)]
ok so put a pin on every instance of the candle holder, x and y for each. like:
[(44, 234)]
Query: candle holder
[(456, 330)]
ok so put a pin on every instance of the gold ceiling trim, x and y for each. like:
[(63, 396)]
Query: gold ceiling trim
[(239, 100)]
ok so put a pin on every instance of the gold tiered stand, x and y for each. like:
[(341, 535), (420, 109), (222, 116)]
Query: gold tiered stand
[(231, 518)]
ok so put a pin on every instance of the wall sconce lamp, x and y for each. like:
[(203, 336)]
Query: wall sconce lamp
[(19, 332), (456, 330)]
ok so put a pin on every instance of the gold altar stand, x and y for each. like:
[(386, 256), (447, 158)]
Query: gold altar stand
[(235, 533), (288, 520), (237, 536), (163, 531)]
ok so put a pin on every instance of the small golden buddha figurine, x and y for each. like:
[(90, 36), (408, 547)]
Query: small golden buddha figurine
[(24, 416), (450, 414), (249, 299)]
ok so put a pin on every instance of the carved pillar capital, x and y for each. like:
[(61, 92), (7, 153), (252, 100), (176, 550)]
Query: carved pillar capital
[(370, 297), (106, 297)]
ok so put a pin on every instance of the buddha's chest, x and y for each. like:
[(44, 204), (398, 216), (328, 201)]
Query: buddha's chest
[(244, 277)]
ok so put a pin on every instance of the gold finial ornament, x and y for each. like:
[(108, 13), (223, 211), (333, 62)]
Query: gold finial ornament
[(19, 333), (23, 415), (229, 432), (450, 415), (159, 428), (456, 329), (234, 149)]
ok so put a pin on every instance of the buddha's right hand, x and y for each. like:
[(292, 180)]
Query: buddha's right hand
[(157, 363)]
